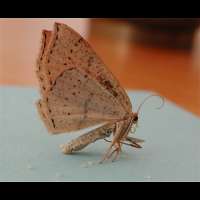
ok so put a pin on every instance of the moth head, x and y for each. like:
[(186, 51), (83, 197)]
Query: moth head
[(135, 118)]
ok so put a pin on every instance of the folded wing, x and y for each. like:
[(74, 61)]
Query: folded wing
[(77, 101), (67, 48), (77, 88)]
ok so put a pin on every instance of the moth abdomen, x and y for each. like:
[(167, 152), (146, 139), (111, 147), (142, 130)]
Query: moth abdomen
[(88, 138)]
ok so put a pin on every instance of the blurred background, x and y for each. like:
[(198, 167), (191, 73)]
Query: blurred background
[(160, 55)]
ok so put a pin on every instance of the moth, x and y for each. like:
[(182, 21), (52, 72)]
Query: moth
[(79, 91)]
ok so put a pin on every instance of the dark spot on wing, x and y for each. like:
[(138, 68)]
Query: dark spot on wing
[(90, 60), (114, 93), (53, 123), (80, 40), (61, 74), (108, 84)]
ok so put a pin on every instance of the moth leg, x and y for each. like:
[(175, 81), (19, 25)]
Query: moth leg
[(105, 157), (117, 154), (109, 156), (116, 134), (117, 151), (131, 139), (134, 142)]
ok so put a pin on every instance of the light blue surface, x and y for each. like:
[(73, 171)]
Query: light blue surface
[(171, 151)]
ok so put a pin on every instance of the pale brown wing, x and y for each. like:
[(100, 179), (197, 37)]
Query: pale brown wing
[(67, 48), (77, 101), (40, 69)]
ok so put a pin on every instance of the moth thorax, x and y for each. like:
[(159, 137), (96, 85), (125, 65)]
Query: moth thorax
[(134, 122), (133, 128)]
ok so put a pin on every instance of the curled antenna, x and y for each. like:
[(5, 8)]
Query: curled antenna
[(162, 98)]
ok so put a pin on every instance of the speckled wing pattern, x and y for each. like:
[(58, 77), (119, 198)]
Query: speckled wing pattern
[(77, 89)]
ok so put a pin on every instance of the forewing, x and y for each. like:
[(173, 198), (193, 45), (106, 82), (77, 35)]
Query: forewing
[(40, 69), (67, 48), (78, 101)]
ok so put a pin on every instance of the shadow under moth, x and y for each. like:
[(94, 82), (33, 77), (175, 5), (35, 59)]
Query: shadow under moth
[(78, 91)]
